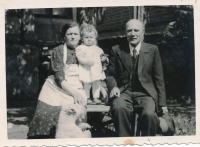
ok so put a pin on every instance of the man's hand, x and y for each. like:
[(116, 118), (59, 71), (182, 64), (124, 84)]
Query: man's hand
[(164, 109), (115, 92)]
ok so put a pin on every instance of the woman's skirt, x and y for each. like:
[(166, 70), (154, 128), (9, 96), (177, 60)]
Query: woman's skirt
[(50, 100), (43, 124), (53, 95)]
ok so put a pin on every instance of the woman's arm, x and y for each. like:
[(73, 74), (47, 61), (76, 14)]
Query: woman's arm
[(57, 64), (58, 68)]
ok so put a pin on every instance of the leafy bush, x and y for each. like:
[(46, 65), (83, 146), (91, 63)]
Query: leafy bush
[(22, 73)]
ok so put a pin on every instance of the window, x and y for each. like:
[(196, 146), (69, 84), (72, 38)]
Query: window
[(54, 12)]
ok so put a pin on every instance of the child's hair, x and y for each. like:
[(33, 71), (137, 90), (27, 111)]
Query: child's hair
[(88, 28)]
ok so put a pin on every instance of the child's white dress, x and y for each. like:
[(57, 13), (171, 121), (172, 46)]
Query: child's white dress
[(93, 73), (91, 76)]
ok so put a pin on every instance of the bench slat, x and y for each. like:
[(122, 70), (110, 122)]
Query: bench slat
[(97, 108)]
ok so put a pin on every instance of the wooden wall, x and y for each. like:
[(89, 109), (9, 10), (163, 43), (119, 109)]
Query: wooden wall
[(114, 21), (49, 29), (159, 18)]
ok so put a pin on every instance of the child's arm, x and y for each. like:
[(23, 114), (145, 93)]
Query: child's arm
[(83, 58)]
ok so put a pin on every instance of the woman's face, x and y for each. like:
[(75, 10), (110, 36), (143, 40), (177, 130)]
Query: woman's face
[(72, 37)]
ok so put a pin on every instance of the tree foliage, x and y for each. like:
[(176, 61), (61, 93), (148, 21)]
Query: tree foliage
[(180, 29), (19, 26), (91, 15), (22, 72), (22, 60), (178, 38)]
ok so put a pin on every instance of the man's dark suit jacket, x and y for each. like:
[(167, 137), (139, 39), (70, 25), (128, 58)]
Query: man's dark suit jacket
[(150, 71)]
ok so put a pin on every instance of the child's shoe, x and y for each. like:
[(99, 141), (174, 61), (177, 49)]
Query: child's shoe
[(90, 102), (97, 101)]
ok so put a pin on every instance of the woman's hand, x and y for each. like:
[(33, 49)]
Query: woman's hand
[(78, 98), (164, 109), (104, 61), (90, 62)]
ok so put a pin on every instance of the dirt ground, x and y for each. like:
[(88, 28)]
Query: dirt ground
[(18, 120)]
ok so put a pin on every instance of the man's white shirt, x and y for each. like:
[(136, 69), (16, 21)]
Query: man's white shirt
[(137, 49)]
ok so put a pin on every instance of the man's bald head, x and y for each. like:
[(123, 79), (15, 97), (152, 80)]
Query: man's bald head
[(134, 31), (135, 21)]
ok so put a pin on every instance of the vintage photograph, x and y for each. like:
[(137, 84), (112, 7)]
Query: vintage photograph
[(100, 72)]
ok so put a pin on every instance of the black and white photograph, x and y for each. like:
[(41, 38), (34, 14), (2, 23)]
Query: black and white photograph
[(143, 84)]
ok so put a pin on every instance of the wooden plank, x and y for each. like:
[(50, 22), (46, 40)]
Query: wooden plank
[(74, 14), (97, 108), (135, 12)]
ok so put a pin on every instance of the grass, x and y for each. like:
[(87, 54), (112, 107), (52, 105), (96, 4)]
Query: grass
[(185, 120), (19, 117)]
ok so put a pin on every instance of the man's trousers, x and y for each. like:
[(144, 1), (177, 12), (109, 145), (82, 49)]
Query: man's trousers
[(134, 102)]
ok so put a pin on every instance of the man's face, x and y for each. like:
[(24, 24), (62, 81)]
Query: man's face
[(134, 32)]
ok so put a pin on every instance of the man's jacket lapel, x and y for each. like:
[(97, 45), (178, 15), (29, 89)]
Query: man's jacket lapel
[(144, 57), (125, 57)]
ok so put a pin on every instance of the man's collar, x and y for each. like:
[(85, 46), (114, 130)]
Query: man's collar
[(137, 48)]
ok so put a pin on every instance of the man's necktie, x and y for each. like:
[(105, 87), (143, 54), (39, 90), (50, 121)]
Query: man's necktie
[(134, 58), (134, 54)]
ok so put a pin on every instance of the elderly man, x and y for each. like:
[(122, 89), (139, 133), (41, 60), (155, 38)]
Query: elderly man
[(135, 82)]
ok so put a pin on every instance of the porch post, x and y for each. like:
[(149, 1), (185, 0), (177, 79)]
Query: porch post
[(74, 14)]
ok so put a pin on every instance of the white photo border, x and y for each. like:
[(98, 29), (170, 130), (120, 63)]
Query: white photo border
[(19, 4)]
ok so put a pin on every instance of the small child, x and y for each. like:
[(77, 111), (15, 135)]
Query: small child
[(90, 67)]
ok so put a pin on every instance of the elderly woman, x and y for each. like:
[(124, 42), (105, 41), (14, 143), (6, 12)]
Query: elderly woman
[(62, 87)]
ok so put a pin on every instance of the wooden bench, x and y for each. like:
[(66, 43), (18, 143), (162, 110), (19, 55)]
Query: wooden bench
[(98, 108), (99, 120)]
